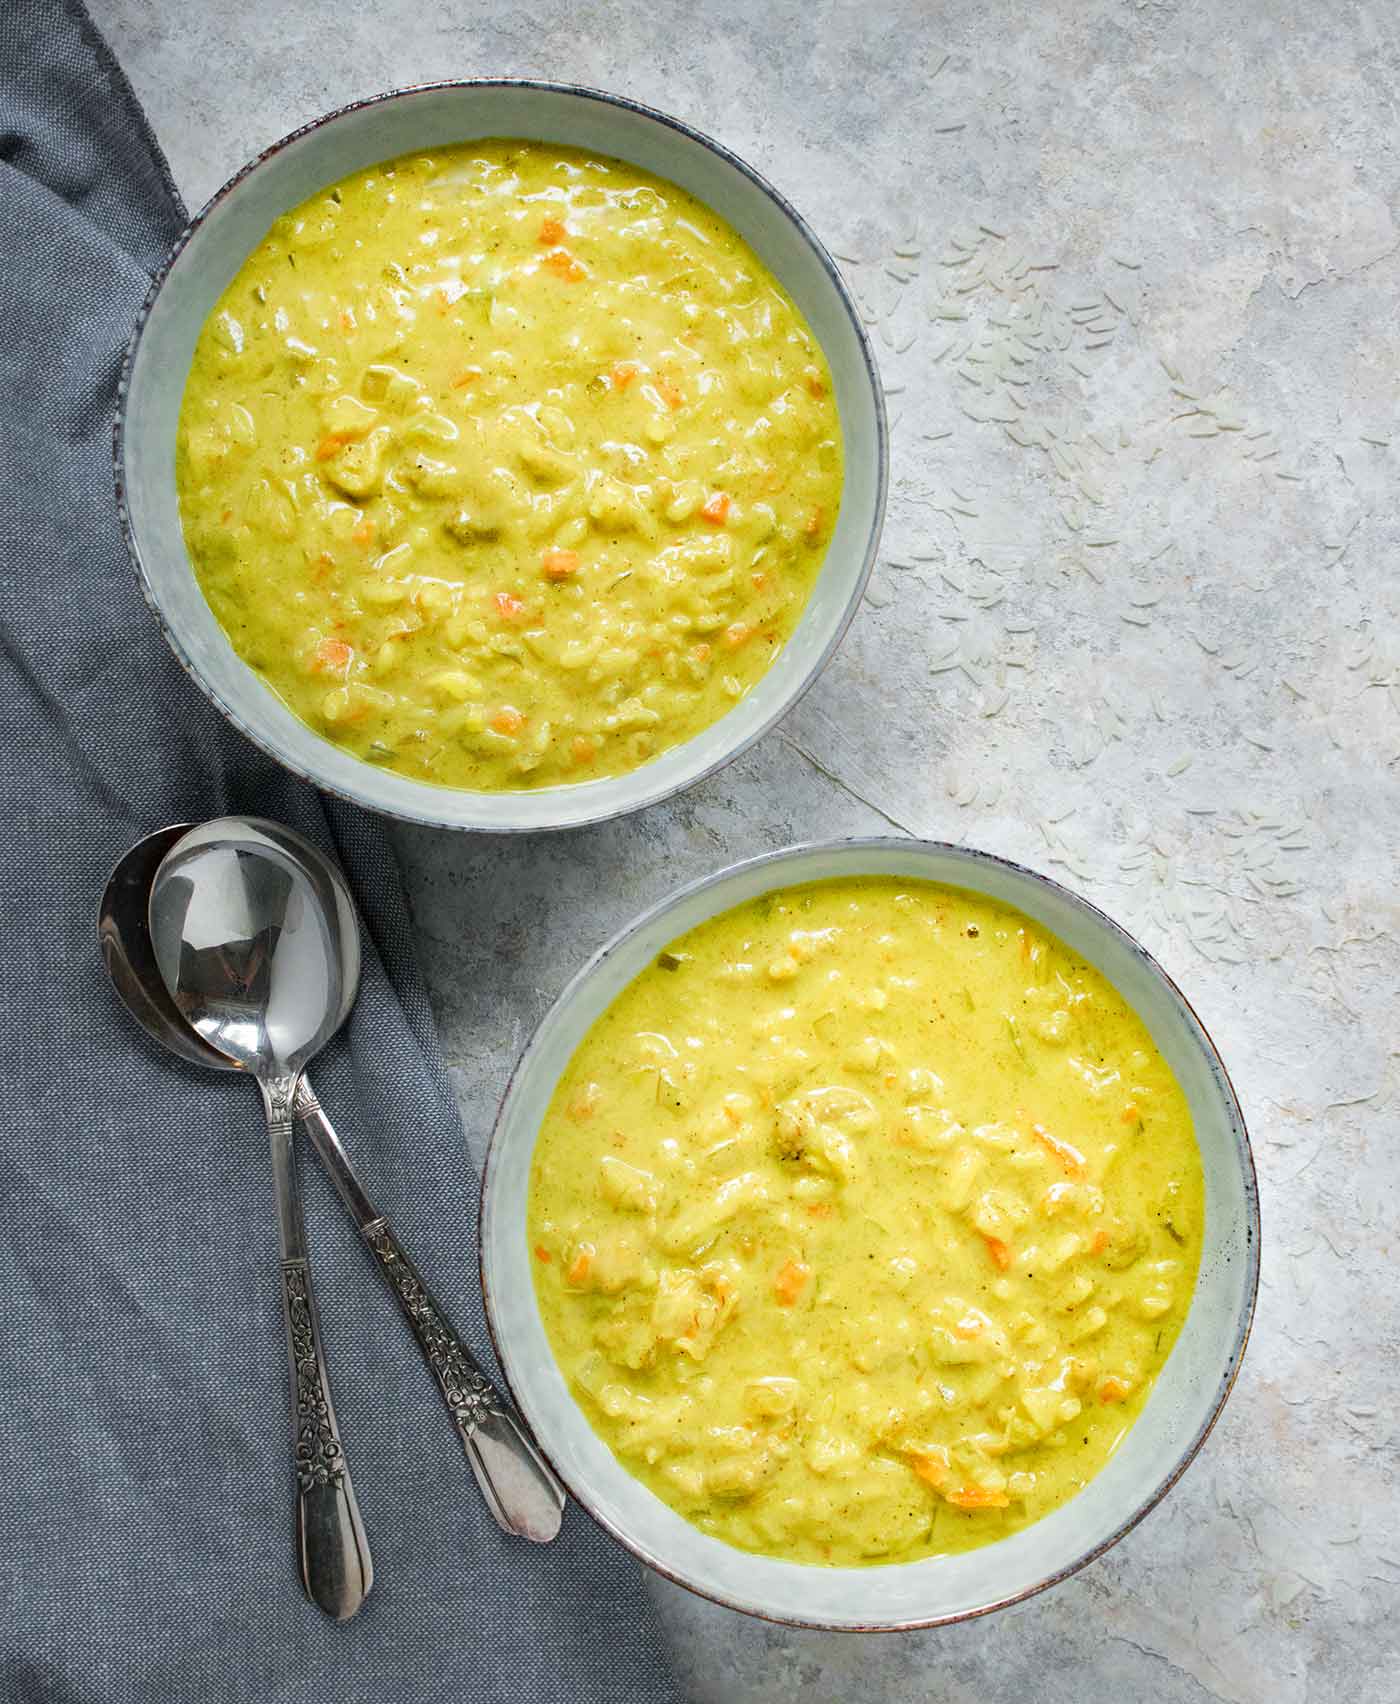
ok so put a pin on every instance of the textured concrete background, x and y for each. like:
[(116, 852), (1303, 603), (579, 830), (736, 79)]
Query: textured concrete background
[(1161, 663)]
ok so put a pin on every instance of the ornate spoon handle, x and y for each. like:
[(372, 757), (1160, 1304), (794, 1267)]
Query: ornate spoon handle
[(520, 1490), (332, 1550)]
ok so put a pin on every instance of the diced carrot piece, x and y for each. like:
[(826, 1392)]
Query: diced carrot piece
[(582, 1106), (330, 445), (1130, 1113), (332, 654), (968, 1327), (552, 232), (669, 394), (931, 1468), (791, 1281), (559, 564), (507, 720), (580, 1265), (820, 1209), (560, 261), (1114, 1390), (759, 581), (974, 1497), (701, 652), (542, 1253), (716, 511), (813, 524), (508, 606), (467, 376), (999, 1251), (623, 374), (736, 634), (347, 320), (1068, 1155), (815, 383), (226, 517), (1099, 1242), (583, 750), (364, 532)]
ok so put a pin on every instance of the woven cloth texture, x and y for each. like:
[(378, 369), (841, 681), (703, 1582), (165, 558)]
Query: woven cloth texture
[(146, 1486)]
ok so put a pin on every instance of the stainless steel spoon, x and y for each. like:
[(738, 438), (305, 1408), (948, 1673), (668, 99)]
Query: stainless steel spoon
[(520, 1490), (247, 950)]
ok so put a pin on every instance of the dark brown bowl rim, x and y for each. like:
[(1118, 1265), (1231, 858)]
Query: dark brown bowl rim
[(1249, 1177), (426, 817)]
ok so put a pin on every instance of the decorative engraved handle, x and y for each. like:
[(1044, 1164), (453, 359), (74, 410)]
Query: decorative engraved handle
[(332, 1550), (334, 1555), (520, 1490)]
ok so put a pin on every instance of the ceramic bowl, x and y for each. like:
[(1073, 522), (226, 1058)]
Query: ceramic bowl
[(1183, 1405), (218, 241)]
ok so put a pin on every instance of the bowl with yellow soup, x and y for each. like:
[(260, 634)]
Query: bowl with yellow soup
[(870, 1234), (501, 455)]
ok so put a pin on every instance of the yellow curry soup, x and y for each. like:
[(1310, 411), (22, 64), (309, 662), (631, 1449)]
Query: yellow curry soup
[(863, 1221), (507, 466)]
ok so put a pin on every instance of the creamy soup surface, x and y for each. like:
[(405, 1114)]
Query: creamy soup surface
[(863, 1221), (507, 466)]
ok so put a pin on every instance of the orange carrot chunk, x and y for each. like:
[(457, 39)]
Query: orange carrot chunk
[(330, 445), (560, 261), (999, 1251), (623, 374), (559, 564), (542, 1253), (716, 511), (580, 1265), (791, 1281), (1068, 1155), (974, 1497), (1113, 1390), (930, 1468), (507, 720), (552, 232), (331, 654), (508, 606)]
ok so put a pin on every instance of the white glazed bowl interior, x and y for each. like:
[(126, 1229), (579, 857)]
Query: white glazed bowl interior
[(1181, 1409), (223, 236)]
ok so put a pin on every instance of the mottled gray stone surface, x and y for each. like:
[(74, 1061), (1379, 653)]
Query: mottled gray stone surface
[(1162, 665)]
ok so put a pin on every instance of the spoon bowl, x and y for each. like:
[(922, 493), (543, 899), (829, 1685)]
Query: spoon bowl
[(124, 935), (247, 948)]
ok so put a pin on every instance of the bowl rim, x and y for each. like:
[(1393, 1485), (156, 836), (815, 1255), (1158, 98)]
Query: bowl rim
[(973, 856), (646, 796)]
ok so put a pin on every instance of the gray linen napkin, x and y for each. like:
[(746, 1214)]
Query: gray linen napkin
[(145, 1481)]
